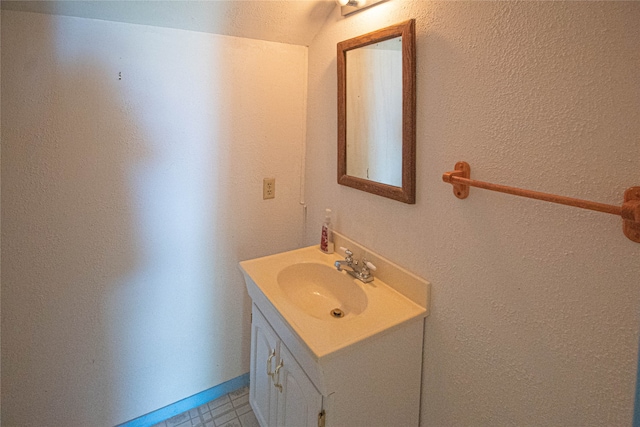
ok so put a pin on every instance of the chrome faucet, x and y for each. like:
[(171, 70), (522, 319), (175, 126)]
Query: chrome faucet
[(362, 273)]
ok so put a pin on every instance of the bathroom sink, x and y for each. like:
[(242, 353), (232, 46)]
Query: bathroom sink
[(322, 291), (329, 310)]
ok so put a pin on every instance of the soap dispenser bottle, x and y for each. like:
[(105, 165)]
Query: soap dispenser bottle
[(326, 240)]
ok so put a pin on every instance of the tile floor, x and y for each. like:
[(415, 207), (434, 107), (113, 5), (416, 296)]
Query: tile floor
[(230, 410)]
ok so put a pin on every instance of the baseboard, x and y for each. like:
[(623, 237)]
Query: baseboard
[(188, 403)]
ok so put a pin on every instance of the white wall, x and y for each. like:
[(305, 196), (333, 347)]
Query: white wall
[(534, 317), (126, 204), (132, 169), (0, 215)]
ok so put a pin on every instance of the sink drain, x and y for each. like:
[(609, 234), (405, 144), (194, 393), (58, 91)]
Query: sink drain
[(337, 313)]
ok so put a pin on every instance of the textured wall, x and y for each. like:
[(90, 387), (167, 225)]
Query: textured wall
[(0, 210), (132, 169), (534, 316), (292, 22)]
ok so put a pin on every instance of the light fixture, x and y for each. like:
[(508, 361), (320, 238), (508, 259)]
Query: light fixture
[(348, 7), (352, 3)]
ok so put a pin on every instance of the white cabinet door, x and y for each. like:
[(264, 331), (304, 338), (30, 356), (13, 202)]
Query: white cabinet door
[(280, 392), (299, 402), (264, 357)]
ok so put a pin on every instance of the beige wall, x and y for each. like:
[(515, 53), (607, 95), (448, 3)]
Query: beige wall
[(132, 169), (534, 316), (0, 215), (126, 205)]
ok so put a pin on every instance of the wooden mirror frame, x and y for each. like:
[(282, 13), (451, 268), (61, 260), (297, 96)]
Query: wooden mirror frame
[(406, 193)]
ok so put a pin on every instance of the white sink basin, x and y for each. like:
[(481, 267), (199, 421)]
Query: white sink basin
[(304, 287), (320, 290)]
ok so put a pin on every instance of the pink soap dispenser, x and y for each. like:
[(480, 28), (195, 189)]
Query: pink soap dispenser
[(326, 239)]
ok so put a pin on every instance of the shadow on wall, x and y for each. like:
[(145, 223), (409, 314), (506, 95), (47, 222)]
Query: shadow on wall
[(68, 231), (167, 336), (133, 158), (109, 200)]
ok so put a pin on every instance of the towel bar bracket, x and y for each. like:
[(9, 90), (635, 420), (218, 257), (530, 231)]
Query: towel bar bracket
[(632, 202), (462, 170), (461, 180)]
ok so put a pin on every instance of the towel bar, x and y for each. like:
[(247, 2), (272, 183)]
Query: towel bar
[(629, 211)]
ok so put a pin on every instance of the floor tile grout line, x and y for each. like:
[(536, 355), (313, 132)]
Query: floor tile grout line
[(232, 416)]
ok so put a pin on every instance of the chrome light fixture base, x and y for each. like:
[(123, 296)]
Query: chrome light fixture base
[(347, 7)]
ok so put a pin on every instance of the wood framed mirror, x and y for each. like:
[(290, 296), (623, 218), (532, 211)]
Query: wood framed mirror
[(377, 112)]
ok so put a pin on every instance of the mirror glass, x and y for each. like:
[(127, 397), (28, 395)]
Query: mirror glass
[(376, 112)]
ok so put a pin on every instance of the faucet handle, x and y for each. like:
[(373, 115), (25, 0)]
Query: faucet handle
[(365, 271), (346, 251)]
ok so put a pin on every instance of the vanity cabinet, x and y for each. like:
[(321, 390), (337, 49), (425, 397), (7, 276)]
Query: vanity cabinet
[(281, 394), (374, 384), (311, 368)]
